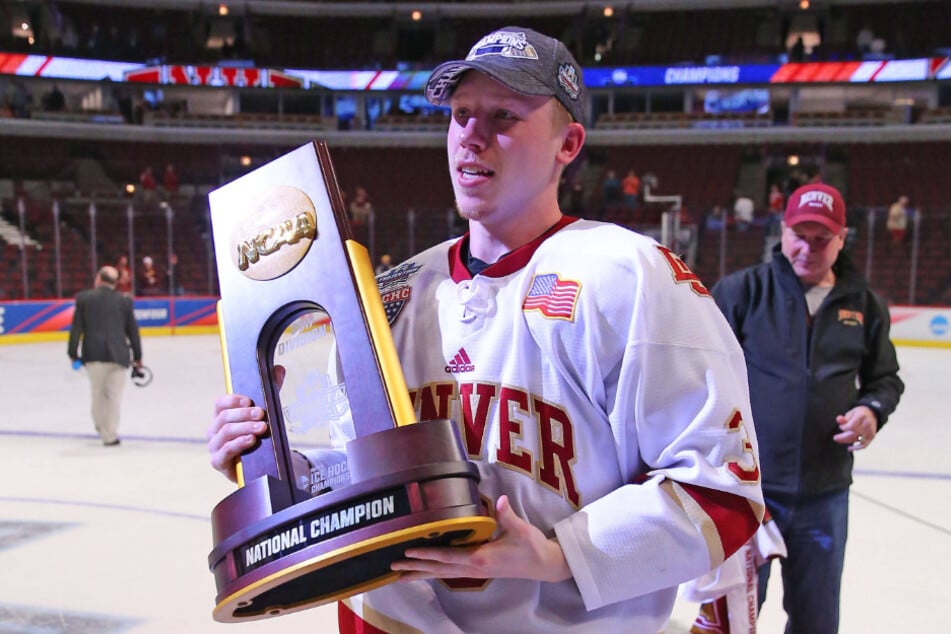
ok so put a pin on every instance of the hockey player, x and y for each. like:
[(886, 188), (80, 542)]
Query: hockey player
[(596, 385)]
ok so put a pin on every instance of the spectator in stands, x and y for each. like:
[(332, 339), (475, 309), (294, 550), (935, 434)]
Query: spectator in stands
[(611, 194), (576, 206), (54, 100), (631, 187), (19, 98), (171, 274), (877, 49), (124, 281), (360, 207), (897, 221), (385, 264), (823, 379), (793, 181), (148, 184), (70, 37), (797, 52), (132, 44), (716, 219), (170, 181), (103, 337), (93, 40), (150, 279), (775, 205), (743, 211), (864, 39)]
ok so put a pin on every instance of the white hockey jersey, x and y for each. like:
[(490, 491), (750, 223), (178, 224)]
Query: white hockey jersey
[(596, 384)]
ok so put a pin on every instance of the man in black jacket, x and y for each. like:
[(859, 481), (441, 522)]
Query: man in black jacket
[(823, 379), (104, 321)]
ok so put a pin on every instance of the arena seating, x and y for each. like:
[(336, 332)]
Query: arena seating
[(252, 120), (880, 173), (849, 117), (406, 180), (674, 120), (381, 37)]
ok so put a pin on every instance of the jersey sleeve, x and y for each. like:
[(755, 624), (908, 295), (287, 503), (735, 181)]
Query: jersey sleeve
[(678, 403)]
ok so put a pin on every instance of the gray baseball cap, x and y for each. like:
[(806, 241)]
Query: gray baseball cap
[(521, 59)]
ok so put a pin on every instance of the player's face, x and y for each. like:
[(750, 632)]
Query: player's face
[(812, 249), (506, 151)]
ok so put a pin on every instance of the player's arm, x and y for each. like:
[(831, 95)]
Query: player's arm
[(686, 445)]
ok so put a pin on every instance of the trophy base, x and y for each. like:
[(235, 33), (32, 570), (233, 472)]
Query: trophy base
[(411, 486)]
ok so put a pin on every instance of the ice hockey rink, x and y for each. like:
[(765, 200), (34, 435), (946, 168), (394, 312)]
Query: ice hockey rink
[(103, 540)]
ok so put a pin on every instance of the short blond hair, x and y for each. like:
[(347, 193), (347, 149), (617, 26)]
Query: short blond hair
[(561, 116)]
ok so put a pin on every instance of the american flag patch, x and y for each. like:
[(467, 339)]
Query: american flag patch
[(552, 296)]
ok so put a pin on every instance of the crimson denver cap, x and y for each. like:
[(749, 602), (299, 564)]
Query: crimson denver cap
[(816, 202), (523, 60)]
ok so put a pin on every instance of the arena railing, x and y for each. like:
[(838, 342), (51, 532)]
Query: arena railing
[(60, 243)]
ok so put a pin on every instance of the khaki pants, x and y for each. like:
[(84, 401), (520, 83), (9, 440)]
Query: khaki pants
[(106, 381)]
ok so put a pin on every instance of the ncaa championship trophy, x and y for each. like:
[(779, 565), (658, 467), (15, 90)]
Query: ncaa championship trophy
[(305, 336)]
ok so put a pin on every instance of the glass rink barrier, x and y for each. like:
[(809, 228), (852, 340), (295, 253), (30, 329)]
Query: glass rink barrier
[(54, 246)]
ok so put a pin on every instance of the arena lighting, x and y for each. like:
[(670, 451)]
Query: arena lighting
[(792, 159), (130, 189), (245, 160), (608, 11), (804, 4), (417, 15), (222, 9), (17, 20)]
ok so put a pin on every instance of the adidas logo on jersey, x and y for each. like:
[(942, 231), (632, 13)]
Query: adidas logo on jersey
[(460, 363)]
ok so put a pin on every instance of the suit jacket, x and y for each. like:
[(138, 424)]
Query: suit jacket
[(105, 323)]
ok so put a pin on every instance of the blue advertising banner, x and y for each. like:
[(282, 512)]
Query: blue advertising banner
[(679, 75), (50, 319)]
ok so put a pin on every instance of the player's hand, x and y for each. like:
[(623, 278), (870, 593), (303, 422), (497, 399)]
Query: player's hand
[(858, 428), (235, 429), (520, 551)]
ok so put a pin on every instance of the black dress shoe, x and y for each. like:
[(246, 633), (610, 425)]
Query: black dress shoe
[(111, 444)]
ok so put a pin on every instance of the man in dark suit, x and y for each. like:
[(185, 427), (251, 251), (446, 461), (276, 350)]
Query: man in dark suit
[(104, 321)]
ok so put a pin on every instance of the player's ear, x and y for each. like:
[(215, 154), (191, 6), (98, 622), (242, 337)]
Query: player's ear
[(571, 142)]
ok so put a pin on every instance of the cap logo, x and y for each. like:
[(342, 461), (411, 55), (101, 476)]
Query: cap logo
[(504, 43), (568, 80), (815, 198), (440, 88)]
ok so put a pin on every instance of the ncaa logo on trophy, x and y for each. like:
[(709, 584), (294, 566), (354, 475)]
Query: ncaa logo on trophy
[(346, 479)]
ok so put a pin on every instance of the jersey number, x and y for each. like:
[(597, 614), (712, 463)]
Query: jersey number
[(743, 474), (682, 272)]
